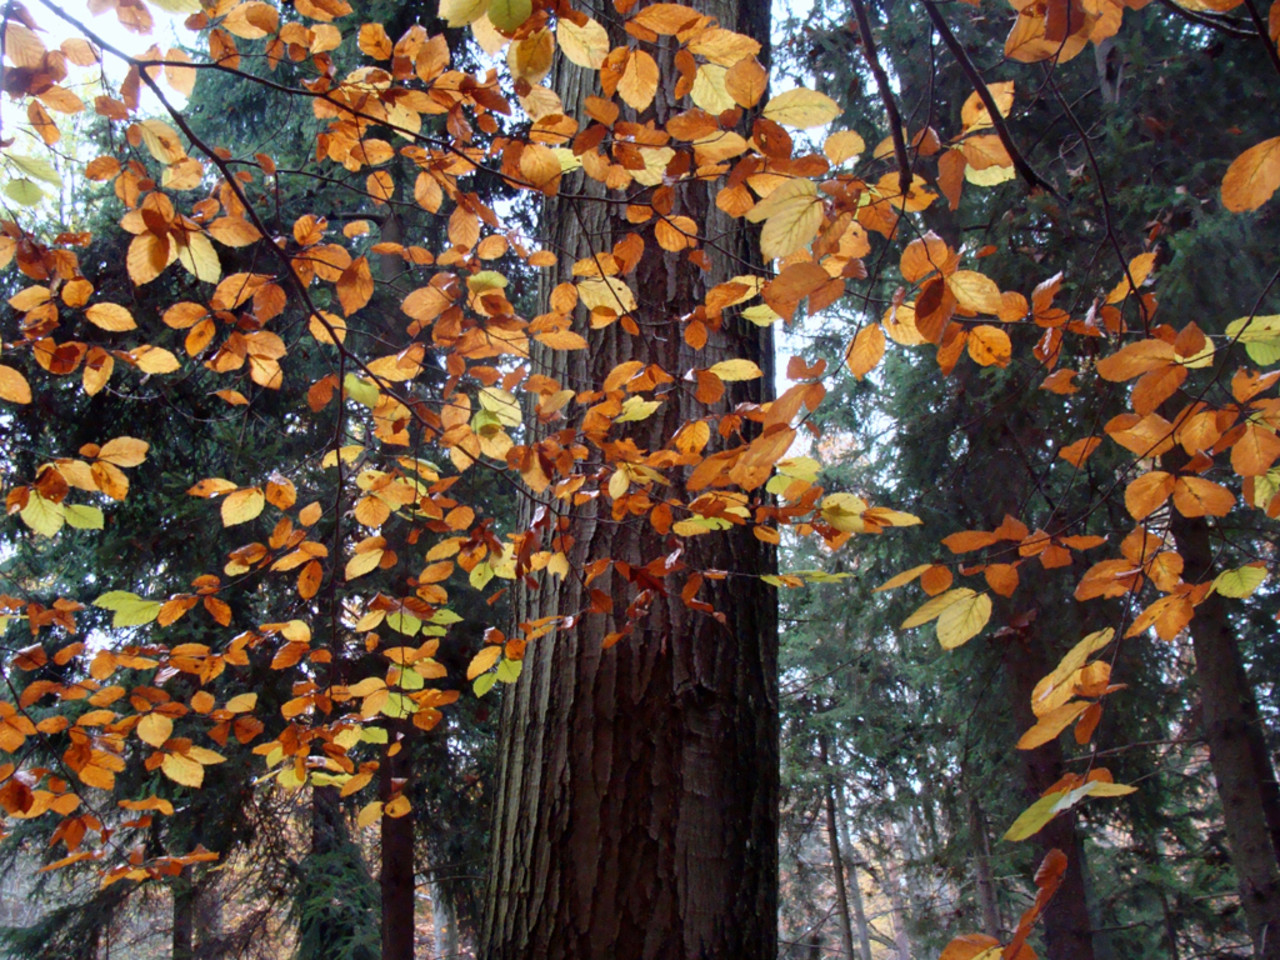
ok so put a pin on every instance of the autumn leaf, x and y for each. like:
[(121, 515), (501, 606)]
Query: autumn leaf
[(1252, 177), (866, 350)]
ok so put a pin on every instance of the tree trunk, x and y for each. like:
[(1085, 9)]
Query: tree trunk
[(397, 876), (444, 924), (184, 917), (1068, 930), (1237, 753), (637, 807), (837, 861), (991, 923), (855, 885)]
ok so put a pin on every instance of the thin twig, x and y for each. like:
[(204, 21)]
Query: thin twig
[(1020, 164)]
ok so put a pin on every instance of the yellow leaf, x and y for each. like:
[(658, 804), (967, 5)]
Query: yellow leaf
[(369, 814), (905, 577), (124, 451), (585, 45), (975, 291), (974, 114), (483, 660), (162, 140), (792, 214), (459, 13), (1252, 177), (242, 506), (933, 608), (199, 257), (182, 770), (1052, 723), (110, 316), (732, 370), (397, 807), (959, 622), (842, 146), (242, 703), (801, 108), (155, 729), (154, 359)]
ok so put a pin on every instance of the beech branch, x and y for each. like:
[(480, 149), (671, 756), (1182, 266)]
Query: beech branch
[(1020, 164), (886, 96)]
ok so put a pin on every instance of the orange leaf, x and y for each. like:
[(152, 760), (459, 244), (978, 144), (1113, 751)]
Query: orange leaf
[(1252, 177), (1197, 497), (866, 350), (1148, 493)]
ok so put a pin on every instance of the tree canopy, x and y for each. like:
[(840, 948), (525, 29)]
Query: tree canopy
[(270, 402)]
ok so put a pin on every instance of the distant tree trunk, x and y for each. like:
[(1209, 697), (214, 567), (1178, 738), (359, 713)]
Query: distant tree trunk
[(855, 885), (1068, 930), (397, 877), (1238, 755), (837, 860), (444, 924), (637, 808), (893, 885), (992, 925)]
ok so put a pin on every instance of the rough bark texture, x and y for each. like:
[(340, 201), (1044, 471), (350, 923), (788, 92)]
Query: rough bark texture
[(637, 812), (1241, 765), (1068, 930)]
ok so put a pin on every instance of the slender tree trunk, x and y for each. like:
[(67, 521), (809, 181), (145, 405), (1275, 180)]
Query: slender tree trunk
[(893, 884), (1068, 930), (444, 924), (184, 918), (637, 807), (397, 876), (855, 885), (991, 923), (1237, 753), (837, 861)]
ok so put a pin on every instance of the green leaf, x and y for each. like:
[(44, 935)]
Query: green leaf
[(405, 623), (445, 617), (130, 609), (509, 670), (398, 706), (373, 734), (43, 516), (507, 15), (1240, 582), (481, 574), (1032, 819), (361, 391), (35, 167), (23, 192), (484, 683), (636, 408), (84, 517)]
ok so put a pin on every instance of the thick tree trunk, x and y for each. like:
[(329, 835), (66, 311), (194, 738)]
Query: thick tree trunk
[(637, 809), (1237, 752), (1068, 930), (397, 876)]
